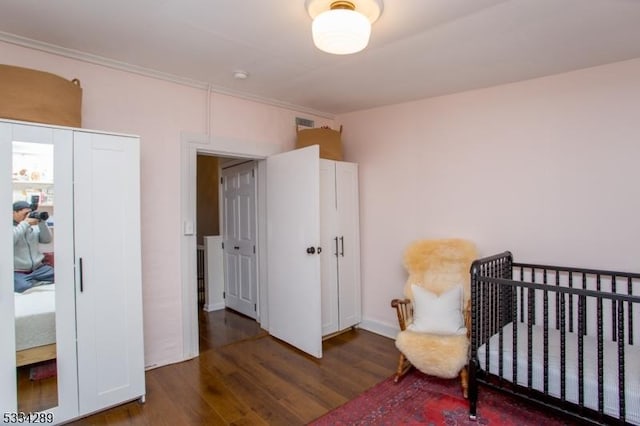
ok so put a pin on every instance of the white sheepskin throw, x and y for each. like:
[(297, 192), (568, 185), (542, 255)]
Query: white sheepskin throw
[(437, 266), (433, 354)]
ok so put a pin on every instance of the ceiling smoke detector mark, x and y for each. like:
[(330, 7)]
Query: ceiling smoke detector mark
[(304, 123), (240, 75)]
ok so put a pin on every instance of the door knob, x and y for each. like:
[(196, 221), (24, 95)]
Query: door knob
[(311, 250)]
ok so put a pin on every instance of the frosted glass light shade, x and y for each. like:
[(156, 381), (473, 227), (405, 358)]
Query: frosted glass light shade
[(341, 31)]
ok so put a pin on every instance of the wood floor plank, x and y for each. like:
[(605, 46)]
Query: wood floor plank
[(188, 398), (263, 403), (243, 376), (214, 389)]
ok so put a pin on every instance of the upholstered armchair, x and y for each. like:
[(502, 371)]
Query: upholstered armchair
[(434, 316)]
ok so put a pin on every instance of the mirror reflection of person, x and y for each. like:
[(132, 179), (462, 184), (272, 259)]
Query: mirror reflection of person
[(28, 233)]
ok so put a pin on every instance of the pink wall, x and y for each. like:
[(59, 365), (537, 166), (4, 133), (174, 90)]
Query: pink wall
[(159, 111), (547, 168)]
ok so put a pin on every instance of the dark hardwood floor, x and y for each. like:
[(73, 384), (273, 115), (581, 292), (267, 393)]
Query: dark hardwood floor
[(243, 376)]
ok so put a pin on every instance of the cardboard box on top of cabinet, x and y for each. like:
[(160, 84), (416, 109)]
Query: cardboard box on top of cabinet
[(38, 96), (330, 141)]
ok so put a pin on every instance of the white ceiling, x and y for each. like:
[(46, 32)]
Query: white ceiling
[(418, 48)]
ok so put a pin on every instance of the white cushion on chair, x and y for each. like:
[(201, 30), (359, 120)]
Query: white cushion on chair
[(437, 314)]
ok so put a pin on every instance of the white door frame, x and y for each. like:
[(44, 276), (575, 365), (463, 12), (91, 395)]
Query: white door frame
[(191, 145)]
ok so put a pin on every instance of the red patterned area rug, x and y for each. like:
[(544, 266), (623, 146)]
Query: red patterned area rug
[(419, 399)]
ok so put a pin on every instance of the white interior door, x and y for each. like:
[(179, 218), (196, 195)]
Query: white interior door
[(239, 238), (293, 228)]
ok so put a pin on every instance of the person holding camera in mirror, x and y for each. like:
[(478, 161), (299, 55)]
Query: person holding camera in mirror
[(29, 230)]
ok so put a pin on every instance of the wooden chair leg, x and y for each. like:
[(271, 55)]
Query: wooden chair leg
[(464, 379), (403, 366)]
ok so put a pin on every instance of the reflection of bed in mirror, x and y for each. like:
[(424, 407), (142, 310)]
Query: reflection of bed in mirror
[(35, 325)]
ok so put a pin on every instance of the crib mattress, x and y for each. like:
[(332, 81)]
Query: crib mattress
[(35, 317), (611, 406)]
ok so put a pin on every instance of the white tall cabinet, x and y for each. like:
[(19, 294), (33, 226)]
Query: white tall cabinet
[(340, 255), (98, 295)]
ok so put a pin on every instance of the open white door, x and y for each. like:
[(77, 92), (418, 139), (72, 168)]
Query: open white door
[(293, 230)]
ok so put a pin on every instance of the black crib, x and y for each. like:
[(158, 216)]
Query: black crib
[(560, 337)]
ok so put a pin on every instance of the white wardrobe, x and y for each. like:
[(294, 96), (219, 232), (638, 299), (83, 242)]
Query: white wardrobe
[(340, 246), (91, 187)]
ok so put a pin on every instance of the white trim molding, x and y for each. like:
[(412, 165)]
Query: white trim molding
[(191, 145)]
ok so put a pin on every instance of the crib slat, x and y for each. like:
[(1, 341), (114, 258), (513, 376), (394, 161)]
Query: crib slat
[(521, 296), (571, 303), (563, 348), (583, 308), (621, 378), (485, 324), (498, 289), (514, 340), (630, 310), (530, 311), (600, 348), (501, 309), (475, 339), (557, 295), (493, 294), (614, 323), (545, 342), (581, 327)]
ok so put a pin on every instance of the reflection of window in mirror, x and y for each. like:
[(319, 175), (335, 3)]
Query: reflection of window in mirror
[(34, 287)]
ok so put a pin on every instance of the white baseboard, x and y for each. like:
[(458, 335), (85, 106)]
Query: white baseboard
[(383, 329), (213, 307)]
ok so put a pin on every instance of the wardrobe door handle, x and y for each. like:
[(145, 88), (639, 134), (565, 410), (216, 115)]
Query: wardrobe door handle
[(336, 240), (81, 274), (342, 245)]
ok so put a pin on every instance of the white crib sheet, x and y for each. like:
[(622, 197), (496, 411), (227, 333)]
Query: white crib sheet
[(611, 406), (35, 317)]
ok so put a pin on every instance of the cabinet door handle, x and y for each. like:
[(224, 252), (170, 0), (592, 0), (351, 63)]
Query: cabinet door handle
[(336, 240), (81, 274), (236, 247), (342, 245)]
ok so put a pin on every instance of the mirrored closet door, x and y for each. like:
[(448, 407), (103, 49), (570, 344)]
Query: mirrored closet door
[(39, 357), (34, 278)]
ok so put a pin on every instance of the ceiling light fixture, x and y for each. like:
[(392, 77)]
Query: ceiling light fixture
[(342, 27)]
